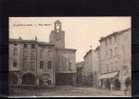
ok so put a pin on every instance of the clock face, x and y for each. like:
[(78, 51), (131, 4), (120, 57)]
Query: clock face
[(57, 26)]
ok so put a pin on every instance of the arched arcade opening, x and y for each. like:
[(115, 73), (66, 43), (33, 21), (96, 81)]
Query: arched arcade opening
[(28, 79)]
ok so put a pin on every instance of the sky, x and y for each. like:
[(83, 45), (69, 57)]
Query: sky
[(80, 32)]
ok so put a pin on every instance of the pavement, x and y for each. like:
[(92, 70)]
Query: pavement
[(67, 91)]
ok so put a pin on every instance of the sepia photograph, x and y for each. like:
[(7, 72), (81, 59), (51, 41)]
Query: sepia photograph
[(70, 56)]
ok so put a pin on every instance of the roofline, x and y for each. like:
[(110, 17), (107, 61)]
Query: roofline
[(122, 31), (97, 48), (66, 49), (88, 52), (114, 33), (30, 41)]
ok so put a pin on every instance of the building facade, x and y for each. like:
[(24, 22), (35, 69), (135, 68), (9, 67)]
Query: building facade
[(88, 68), (115, 56), (65, 67), (79, 68), (65, 57), (96, 66), (91, 69), (30, 62), (35, 63), (110, 63)]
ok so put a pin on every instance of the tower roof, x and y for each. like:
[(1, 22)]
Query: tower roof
[(57, 21)]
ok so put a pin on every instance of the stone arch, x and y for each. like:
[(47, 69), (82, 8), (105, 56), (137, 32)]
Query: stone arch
[(44, 78), (29, 78), (13, 78)]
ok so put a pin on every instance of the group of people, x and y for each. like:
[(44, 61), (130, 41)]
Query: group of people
[(127, 87), (113, 84)]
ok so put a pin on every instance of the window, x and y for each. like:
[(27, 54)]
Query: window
[(106, 53), (25, 58), (32, 65), (70, 65), (14, 64), (49, 65), (32, 57), (49, 52), (15, 44), (115, 38), (41, 64), (116, 51), (106, 42), (49, 82), (14, 52), (110, 40), (41, 52), (110, 52), (33, 46), (25, 45)]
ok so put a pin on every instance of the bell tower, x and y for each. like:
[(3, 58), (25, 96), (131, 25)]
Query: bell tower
[(57, 26), (57, 35)]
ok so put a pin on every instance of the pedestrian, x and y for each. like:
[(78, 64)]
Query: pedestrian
[(123, 87), (125, 90), (128, 85), (99, 84), (111, 86)]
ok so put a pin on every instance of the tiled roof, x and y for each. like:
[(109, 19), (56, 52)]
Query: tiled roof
[(114, 33), (30, 41)]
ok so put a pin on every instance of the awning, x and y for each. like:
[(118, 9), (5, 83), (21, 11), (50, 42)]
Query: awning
[(108, 75)]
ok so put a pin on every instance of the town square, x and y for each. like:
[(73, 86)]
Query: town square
[(82, 62)]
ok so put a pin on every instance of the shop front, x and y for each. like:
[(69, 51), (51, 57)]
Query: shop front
[(109, 81)]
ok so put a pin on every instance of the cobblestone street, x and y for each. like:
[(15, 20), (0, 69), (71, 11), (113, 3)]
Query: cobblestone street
[(68, 91)]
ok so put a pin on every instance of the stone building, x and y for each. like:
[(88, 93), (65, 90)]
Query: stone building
[(91, 69), (65, 57), (115, 56), (31, 62), (109, 65), (65, 67), (88, 67), (79, 68), (125, 56), (96, 66), (35, 63)]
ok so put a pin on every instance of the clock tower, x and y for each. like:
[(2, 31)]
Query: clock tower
[(57, 35)]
